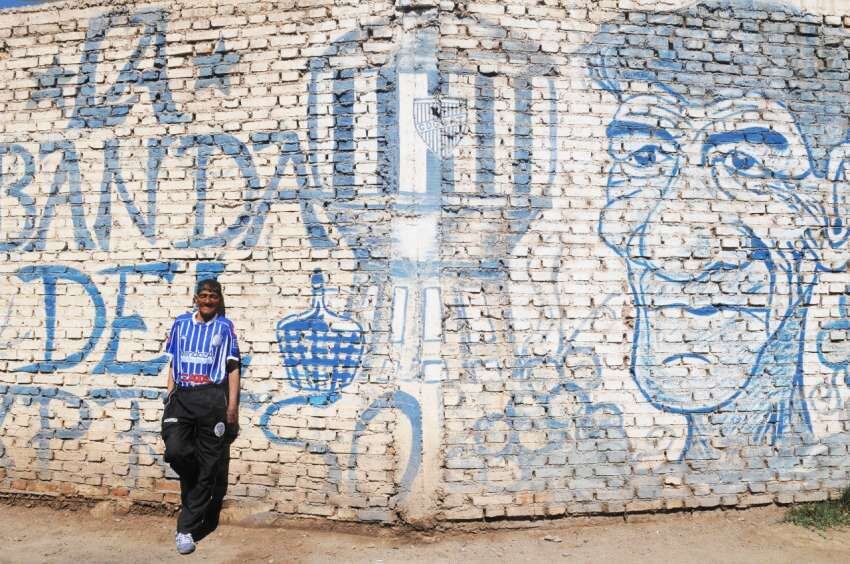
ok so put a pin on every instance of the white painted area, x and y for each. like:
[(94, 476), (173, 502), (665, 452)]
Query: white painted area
[(415, 238), (432, 329), (416, 315), (421, 502), (432, 371), (412, 151), (399, 313)]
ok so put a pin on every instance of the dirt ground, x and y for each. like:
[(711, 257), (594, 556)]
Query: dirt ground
[(40, 534)]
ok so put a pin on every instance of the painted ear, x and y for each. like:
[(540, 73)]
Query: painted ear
[(833, 241)]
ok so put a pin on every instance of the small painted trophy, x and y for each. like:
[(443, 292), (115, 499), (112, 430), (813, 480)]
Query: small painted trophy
[(321, 350)]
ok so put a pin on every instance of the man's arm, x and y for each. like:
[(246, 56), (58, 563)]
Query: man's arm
[(169, 385), (170, 350), (232, 391)]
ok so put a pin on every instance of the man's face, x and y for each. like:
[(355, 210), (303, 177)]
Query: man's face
[(707, 203), (208, 302)]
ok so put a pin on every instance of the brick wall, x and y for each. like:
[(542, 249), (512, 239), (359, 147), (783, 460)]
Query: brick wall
[(552, 257)]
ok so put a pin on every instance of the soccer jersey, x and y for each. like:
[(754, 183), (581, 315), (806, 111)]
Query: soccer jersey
[(200, 350)]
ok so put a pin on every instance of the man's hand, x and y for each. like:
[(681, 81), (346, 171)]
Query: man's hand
[(232, 414)]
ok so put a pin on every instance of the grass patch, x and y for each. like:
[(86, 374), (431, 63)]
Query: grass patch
[(822, 515)]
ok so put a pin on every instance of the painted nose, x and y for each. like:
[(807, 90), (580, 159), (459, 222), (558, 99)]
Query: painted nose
[(682, 237)]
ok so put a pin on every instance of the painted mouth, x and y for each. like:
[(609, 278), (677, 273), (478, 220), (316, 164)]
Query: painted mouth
[(685, 358), (759, 313)]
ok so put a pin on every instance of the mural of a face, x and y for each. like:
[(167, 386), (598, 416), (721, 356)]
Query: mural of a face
[(726, 198), (688, 189)]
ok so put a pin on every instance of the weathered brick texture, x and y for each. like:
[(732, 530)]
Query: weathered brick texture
[(569, 256)]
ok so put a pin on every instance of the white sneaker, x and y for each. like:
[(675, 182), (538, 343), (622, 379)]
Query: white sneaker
[(185, 543)]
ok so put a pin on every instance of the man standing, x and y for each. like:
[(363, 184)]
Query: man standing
[(202, 407)]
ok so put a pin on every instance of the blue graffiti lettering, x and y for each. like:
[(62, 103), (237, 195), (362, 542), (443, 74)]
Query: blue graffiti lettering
[(67, 172), (213, 70), (289, 146), (207, 270), (112, 108), (206, 146), (50, 275), (134, 322), (112, 176), (16, 188), (50, 83)]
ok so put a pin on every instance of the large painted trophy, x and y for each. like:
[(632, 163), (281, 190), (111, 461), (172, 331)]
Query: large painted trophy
[(321, 349)]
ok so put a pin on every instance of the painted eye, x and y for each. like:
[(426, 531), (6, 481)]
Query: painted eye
[(742, 161), (743, 164), (647, 155)]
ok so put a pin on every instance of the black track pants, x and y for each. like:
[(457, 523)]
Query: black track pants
[(193, 428)]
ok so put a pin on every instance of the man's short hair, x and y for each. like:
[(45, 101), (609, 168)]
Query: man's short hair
[(716, 49), (210, 284)]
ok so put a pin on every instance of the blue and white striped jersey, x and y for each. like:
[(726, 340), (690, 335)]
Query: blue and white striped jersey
[(200, 351)]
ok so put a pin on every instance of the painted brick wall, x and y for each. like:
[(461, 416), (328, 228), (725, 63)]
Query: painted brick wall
[(485, 259)]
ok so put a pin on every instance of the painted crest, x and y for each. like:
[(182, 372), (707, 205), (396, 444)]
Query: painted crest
[(440, 122)]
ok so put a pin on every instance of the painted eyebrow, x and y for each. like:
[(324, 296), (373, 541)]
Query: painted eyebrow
[(752, 135), (619, 128)]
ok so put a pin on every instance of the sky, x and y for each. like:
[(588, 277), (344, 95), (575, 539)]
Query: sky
[(15, 3)]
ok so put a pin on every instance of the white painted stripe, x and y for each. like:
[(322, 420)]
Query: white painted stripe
[(366, 134), (412, 152), (432, 319), (399, 313)]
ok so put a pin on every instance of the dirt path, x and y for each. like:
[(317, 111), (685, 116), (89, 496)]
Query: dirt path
[(40, 534)]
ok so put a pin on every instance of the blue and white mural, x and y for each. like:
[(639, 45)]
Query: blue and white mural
[(321, 350), (721, 296), (531, 274)]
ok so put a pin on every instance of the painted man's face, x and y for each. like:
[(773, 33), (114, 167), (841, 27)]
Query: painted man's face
[(707, 202)]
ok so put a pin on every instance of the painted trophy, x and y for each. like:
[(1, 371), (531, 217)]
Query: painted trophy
[(321, 350)]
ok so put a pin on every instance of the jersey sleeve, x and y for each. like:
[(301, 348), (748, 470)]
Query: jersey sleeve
[(171, 341), (233, 348)]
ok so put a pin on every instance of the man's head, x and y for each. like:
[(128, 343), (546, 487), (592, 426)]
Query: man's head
[(723, 49), (209, 299), (718, 195)]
